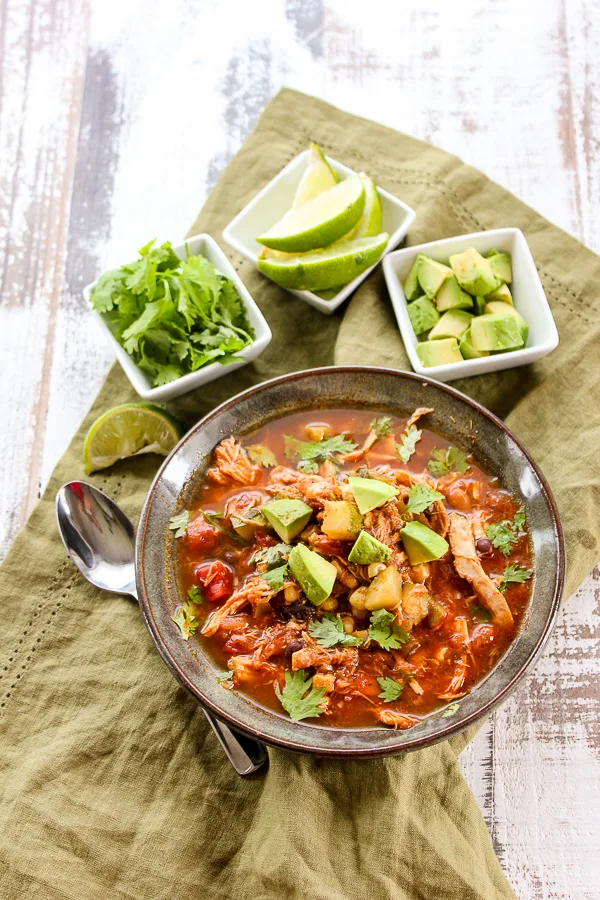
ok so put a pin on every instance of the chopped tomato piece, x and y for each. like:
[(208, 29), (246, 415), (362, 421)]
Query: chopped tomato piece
[(263, 538), (215, 579), (201, 535)]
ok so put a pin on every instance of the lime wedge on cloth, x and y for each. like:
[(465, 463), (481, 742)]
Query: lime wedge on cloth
[(129, 430), (318, 177), (319, 222), (325, 268)]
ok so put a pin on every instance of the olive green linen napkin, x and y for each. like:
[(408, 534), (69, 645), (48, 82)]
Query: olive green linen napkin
[(111, 783)]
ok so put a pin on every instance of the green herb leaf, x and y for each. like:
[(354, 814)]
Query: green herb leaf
[(185, 620), (519, 521), (179, 523), (213, 519), (299, 698), (453, 708), (261, 455), (272, 556), (228, 677), (481, 613), (329, 632), (275, 577), (443, 461), (408, 443), (310, 453), (195, 595), (390, 689), (502, 536), (382, 426), (384, 631), (420, 497), (514, 573)]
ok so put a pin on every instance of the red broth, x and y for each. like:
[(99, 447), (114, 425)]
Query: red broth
[(440, 652)]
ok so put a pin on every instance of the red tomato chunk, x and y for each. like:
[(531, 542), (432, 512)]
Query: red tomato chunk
[(215, 579), (200, 535)]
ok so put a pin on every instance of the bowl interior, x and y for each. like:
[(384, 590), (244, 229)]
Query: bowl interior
[(457, 417)]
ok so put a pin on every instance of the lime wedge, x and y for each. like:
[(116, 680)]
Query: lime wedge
[(318, 177), (129, 430), (370, 224), (325, 268), (319, 222)]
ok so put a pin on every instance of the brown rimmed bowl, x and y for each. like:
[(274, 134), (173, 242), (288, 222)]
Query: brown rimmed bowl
[(458, 418)]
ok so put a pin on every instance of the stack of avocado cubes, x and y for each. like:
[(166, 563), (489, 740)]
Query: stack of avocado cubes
[(466, 307)]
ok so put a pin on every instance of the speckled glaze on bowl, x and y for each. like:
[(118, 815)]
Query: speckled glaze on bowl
[(457, 417)]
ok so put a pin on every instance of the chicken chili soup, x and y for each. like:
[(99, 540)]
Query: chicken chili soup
[(352, 567)]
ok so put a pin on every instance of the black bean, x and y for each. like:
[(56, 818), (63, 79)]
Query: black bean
[(300, 611), (484, 546), (293, 647)]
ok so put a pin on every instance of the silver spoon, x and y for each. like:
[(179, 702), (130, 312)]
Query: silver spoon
[(100, 540)]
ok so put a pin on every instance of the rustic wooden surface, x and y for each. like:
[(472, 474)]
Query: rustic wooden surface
[(116, 117)]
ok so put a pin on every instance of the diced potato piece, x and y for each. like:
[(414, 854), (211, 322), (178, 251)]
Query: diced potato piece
[(317, 432), (385, 591), (341, 520)]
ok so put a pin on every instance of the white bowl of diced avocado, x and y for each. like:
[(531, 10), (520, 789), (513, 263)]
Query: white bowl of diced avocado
[(470, 304)]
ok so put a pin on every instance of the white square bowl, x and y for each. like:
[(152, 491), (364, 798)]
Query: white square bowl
[(526, 288), (206, 246), (276, 198)]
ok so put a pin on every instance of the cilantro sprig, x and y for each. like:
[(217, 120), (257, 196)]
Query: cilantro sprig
[(516, 574), (299, 698), (275, 578), (390, 689), (272, 556), (308, 454), (420, 497), (261, 455), (329, 632), (186, 620), (408, 443), (505, 534), (443, 461), (382, 426), (179, 523), (384, 631)]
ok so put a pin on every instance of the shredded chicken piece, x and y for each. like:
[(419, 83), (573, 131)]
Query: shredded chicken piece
[(395, 719), (415, 603), (313, 489), (322, 658), (460, 673), (277, 639), (324, 680), (246, 668), (468, 566), (255, 591), (232, 464), (384, 523), (240, 505), (421, 411), (357, 454)]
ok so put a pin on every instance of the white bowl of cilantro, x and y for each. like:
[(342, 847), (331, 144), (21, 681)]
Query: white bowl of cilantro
[(178, 317)]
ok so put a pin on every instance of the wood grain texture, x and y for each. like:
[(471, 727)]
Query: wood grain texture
[(108, 137)]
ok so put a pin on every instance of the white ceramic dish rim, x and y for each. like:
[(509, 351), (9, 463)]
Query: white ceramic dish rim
[(197, 244), (325, 306)]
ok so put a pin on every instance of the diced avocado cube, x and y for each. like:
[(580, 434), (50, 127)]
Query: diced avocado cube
[(503, 309), (431, 274), (450, 296), (491, 253), (501, 266), (422, 544), (467, 349), (341, 520), (422, 314), (287, 517), (412, 288), (439, 353), (496, 332), (246, 526), (367, 550), (453, 323), (385, 591), (480, 304), (315, 574), (474, 273), (370, 493), (501, 294)]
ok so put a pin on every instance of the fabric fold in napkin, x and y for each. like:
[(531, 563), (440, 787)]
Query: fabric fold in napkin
[(112, 784)]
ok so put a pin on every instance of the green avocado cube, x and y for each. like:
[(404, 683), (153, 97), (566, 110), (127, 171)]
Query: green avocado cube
[(503, 309), (315, 574), (450, 296), (474, 272), (491, 253), (422, 314), (422, 544), (412, 288), (501, 266), (467, 349), (453, 323), (439, 353), (501, 294), (370, 493), (496, 332), (367, 550), (431, 275), (287, 517), (480, 304)]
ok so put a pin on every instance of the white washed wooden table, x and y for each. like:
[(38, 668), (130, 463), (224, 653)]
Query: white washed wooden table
[(116, 117)]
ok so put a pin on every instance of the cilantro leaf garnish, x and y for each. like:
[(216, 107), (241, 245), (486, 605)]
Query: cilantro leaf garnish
[(481, 613), (261, 455), (179, 522), (185, 620), (390, 689), (329, 632), (443, 461), (299, 698), (275, 577), (514, 573), (505, 534), (384, 631), (453, 708), (382, 426), (172, 316), (223, 678), (195, 595), (272, 556), (213, 519), (408, 443), (309, 454), (420, 497)]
